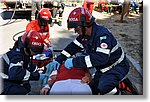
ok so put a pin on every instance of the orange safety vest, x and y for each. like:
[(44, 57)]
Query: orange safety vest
[(33, 25)]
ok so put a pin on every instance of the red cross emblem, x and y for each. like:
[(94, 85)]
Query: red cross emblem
[(104, 45)]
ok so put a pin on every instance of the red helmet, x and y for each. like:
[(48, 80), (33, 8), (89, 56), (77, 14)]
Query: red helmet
[(33, 40), (80, 17), (45, 15)]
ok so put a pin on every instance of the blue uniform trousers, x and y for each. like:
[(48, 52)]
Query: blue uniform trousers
[(104, 83), (13, 88)]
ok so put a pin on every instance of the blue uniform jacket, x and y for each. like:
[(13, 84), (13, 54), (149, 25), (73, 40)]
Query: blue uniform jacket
[(102, 50), (17, 68)]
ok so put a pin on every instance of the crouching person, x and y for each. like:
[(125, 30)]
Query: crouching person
[(18, 69)]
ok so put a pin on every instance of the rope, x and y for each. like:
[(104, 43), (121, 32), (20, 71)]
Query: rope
[(11, 16), (17, 34)]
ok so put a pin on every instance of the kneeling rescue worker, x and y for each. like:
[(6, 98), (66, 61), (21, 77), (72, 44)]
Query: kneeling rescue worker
[(18, 69), (101, 51)]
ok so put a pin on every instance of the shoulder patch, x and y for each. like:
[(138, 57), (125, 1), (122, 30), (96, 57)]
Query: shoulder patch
[(103, 37)]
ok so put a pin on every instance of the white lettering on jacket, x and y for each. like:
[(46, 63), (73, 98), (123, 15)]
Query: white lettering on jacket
[(73, 19)]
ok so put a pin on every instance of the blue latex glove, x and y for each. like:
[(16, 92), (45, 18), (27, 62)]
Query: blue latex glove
[(42, 76), (68, 63), (52, 66)]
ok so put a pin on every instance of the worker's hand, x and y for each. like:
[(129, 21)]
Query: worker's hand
[(52, 66), (68, 63)]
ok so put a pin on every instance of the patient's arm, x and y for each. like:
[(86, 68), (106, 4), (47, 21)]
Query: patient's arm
[(45, 90), (51, 80)]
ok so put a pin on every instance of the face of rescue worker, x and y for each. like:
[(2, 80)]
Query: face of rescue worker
[(43, 23), (78, 30), (88, 30), (32, 53)]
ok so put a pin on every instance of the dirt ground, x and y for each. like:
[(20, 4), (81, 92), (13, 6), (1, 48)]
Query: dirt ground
[(129, 34)]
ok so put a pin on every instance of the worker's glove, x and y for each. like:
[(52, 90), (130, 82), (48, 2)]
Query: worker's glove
[(52, 66), (68, 63), (42, 76)]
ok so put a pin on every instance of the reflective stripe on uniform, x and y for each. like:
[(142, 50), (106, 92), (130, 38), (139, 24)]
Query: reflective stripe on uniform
[(4, 76), (44, 33), (17, 64), (112, 92), (115, 48), (26, 77), (29, 33), (114, 64), (40, 57), (78, 43), (105, 51), (65, 53), (5, 57), (88, 61), (47, 41)]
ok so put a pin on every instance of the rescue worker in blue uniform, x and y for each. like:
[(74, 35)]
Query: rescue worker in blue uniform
[(18, 69), (102, 51)]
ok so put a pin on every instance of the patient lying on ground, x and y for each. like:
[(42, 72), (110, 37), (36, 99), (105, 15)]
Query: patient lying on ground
[(64, 81)]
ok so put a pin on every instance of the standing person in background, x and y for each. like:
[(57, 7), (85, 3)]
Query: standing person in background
[(102, 4), (36, 7), (89, 5), (134, 6)]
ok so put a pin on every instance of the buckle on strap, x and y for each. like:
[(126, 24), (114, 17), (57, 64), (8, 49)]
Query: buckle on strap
[(114, 64)]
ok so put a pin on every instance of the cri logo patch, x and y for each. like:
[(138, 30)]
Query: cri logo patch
[(36, 43)]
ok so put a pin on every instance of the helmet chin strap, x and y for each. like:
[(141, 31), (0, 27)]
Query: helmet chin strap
[(40, 22), (83, 30), (27, 51), (84, 36)]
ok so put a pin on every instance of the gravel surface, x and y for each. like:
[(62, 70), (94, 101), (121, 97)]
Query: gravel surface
[(129, 33)]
